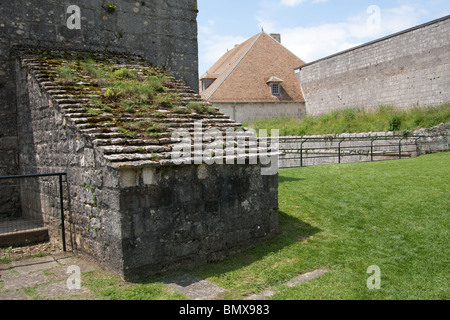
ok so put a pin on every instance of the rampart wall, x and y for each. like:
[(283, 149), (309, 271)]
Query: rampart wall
[(408, 69)]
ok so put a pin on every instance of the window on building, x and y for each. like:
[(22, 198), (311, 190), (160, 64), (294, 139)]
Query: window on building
[(276, 89), (206, 83)]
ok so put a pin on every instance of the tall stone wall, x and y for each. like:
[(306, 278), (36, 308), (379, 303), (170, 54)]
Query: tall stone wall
[(162, 31), (408, 69)]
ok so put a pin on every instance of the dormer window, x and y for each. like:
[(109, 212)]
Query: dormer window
[(207, 80), (206, 83), (275, 86), (276, 89)]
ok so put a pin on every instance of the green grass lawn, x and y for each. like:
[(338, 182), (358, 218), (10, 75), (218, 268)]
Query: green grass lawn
[(345, 218)]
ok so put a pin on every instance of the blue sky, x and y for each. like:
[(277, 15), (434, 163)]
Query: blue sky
[(311, 29)]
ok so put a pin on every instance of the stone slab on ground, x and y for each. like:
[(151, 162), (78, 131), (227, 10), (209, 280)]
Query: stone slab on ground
[(16, 295), (306, 277), (34, 264), (61, 289), (301, 278), (263, 295), (22, 281), (194, 288)]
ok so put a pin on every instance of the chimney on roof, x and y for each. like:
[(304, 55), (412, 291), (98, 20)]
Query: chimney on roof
[(276, 37)]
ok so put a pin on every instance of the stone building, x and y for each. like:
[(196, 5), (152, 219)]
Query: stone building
[(254, 80)]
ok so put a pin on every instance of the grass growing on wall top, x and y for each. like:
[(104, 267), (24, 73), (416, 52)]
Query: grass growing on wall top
[(385, 118)]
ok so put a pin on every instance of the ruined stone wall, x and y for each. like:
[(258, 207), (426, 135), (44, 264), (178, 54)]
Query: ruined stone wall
[(405, 70)]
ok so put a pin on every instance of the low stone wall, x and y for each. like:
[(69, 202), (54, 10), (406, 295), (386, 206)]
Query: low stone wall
[(346, 148)]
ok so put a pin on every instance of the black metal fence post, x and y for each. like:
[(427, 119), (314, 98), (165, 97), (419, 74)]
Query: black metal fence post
[(400, 148), (301, 153), (339, 150), (61, 201)]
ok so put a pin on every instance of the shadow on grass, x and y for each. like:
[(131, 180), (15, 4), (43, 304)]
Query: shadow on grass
[(291, 231)]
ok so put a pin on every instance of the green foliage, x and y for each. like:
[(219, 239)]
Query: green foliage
[(160, 115), (66, 72), (395, 123), (93, 112), (5, 255), (112, 95), (130, 108), (200, 108), (131, 135), (385, 118), (93, 70), (110, 8), (125, 73), (157, 82), (153, 128), (156, 135)]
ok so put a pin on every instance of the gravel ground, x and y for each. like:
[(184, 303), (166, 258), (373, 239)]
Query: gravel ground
[(20, 253)]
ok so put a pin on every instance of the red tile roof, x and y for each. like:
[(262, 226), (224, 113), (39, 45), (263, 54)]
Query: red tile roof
[(243, 73)]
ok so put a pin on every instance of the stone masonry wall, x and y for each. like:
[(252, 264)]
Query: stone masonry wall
[(185, 215), (162, 31), (137, 220), (406, 70), (361, 147), (243, 112), (49, 144)]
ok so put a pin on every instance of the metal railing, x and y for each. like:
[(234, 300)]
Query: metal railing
[(298, 151), (14, 222)]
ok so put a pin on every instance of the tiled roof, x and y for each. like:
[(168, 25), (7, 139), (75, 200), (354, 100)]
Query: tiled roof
[(245, 70)]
